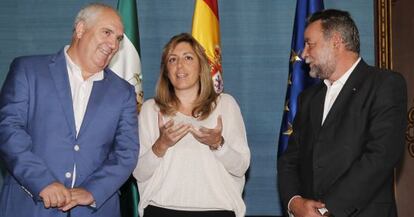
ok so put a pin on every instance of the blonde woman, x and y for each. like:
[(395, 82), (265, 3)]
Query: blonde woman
[(194, 151)]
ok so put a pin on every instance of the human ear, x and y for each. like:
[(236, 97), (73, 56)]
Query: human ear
[(80, 29), (336, 40)]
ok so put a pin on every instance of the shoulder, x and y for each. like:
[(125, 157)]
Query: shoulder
[(41, 58), (116, 80), (390, 81), (227, 102), (29, 66), (32, 60), (382, 76), (149, 103), (388, 74), (36, 63), (376, 73), (148, 113), (149, 106), (226, 99)]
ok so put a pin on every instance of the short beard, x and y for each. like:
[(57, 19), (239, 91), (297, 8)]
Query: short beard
[(322, 72), (315, 71)]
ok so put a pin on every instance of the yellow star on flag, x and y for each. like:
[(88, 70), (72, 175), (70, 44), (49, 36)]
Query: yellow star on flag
[(289, 130), (294, 57)]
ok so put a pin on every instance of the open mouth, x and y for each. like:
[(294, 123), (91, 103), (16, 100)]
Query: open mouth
[(181, 75), (106, 52)]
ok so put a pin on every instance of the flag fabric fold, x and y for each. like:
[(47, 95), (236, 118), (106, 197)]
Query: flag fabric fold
[(298, 78), (126, 64), (206, 30)]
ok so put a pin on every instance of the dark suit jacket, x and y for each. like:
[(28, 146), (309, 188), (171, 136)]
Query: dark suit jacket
[(38, 139), (348, 162)]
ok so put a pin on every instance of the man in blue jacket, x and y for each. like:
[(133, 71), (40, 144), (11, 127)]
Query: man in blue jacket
[(68, 125)]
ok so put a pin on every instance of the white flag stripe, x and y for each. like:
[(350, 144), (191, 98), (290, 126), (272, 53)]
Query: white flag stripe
[(126, 63)]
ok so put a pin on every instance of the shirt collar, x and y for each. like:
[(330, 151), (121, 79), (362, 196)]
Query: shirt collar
[(344, 77), (76, 70)]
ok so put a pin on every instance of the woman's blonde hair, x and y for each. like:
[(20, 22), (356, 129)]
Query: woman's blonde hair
[(165, 96)]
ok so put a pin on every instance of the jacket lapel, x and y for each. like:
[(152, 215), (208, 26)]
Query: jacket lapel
[(316, 108), (59, 73), (95, 101)]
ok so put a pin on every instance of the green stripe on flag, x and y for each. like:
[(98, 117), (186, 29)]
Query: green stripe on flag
[(128, 11), (127, 65)]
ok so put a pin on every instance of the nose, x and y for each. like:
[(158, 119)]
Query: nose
[(180, 62), (113, 43), (305, 52)]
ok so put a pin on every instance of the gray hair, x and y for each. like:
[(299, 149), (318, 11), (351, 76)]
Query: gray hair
[(89, 13), (338, 21)]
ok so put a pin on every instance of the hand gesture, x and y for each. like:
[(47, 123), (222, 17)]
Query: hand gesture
[(170, 134), (210, 137), (301, 207), (80, 196), (55, 195)]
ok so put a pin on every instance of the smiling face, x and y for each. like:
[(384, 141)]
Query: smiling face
[(319, 52), (183, 67), (97, 40)]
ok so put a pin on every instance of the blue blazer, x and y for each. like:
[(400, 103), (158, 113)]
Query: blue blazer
[(38, 138)]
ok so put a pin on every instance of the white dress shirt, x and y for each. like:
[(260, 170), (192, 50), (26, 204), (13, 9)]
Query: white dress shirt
[(81, 90), (334, 88)]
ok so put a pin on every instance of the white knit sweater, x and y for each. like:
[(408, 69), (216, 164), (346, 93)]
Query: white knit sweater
[(190, 176)]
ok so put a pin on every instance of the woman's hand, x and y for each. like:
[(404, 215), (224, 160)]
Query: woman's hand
[(210, 137), (170, 134)]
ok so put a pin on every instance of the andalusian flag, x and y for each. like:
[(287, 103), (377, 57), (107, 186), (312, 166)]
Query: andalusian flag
[(126, 64), (206, 30)]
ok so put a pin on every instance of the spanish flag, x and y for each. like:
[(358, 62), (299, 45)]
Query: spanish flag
[(206, 30)]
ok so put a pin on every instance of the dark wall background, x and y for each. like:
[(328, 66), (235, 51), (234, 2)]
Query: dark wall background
[(402, 55), (256, 38)]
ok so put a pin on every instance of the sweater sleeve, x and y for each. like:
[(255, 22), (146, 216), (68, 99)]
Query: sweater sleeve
[(148, 162), (235, 154)]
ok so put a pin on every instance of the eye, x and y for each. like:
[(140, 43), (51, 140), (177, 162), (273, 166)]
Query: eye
[(172, 60), (107, 32), (188, 58), (310, 44)]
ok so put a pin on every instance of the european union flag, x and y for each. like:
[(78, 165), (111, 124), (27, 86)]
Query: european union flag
[(299, 78)]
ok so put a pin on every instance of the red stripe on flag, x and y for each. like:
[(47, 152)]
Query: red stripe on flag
[(213, 6)]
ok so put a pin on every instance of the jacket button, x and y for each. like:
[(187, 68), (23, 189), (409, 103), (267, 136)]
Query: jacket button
[(76, 147), (68, 175)]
